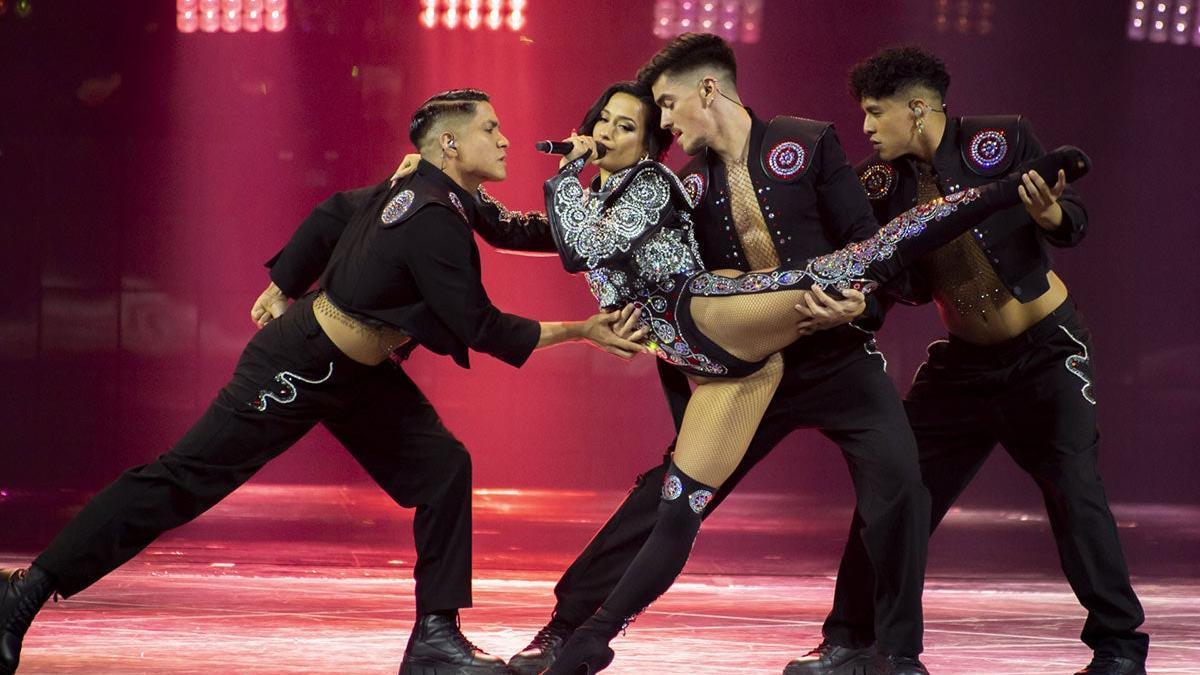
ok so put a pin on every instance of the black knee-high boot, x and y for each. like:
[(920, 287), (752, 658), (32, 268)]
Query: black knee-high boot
[(651, 573)]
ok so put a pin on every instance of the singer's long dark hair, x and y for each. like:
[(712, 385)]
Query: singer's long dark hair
[(657, 140)]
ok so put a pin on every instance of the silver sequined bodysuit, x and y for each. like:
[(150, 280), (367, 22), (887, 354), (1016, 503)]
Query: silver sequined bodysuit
[(633, 240)]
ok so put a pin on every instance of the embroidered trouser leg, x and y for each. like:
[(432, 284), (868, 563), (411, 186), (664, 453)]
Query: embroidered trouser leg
[(1034, 396), (1047, 423), (288, 378)]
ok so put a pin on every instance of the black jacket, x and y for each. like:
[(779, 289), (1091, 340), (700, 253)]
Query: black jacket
[(975, 151), (811, 200), (404, 256)]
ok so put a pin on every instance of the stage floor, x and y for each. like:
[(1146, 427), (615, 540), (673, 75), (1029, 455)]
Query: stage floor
[(304, 579)]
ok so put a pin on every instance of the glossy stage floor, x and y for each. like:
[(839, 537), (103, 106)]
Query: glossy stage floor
[(304, 579)]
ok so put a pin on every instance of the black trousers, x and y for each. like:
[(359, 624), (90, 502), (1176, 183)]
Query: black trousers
[(289, 378), (855, 404), (1035, 396)]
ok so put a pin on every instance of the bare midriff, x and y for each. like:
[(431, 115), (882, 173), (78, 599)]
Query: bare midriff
[(1004, 320), (974, 303), (366, 344)]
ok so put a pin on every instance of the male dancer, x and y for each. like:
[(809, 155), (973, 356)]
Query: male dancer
[(398, 268), (771, 194), (1015, 368)]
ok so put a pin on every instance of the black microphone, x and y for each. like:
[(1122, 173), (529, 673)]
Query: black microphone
[(561, 148)]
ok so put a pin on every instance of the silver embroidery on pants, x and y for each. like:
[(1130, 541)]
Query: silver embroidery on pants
[(872, 347), (287, 389), (928, 350), (1074, 363)]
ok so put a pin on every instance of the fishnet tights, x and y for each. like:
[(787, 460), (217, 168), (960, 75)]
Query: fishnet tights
[(721, 418), (751, 327), (724, 413)]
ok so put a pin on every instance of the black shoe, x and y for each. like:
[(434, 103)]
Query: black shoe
[(831, 659), (587, 651), (890, 664), (542, 650), (22, 594), (1107, 664), (438, 647)]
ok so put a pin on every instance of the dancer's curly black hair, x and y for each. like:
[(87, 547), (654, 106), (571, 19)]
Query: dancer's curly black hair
[(896, 69)]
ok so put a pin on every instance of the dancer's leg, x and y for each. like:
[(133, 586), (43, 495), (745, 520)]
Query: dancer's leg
[(720, 421), (751, 316)]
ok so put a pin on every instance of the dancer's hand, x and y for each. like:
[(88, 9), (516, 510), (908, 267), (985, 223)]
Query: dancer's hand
[(626, 324), (582, 145), (818, 311), (407, 167), (1041, 200), (271, 304), (598, 330)]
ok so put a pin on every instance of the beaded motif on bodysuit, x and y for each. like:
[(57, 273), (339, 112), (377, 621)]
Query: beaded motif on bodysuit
[(959, 273)]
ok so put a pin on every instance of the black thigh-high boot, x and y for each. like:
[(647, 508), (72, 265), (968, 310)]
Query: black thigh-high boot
[(867, 264), (921, 229), (651, 573)]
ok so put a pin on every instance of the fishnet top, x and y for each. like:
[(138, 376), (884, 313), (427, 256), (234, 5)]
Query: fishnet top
[(961, 277)]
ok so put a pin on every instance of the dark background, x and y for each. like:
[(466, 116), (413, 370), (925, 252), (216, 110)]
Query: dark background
[(145, 175)]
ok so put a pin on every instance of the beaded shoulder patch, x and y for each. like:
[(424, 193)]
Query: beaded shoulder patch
[(878, 179)]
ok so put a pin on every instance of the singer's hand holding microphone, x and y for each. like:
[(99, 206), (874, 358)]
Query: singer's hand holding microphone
[(572, 147)]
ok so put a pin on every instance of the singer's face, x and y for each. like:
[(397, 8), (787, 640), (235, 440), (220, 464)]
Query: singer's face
[(621, 129), (682, 112), (481, 147)]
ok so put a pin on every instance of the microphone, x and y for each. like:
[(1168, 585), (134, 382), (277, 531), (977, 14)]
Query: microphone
[(560, 148)]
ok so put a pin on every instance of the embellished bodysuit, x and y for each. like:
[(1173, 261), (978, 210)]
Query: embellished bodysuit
[(632, 238)]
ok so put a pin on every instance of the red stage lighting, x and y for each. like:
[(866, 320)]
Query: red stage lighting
[(1181, 22), (752, 14), (187, 21), (451, 14), (276, 20), (231, 16), (1163, 21), (495, 17), (734, 20), (474, 15), (429, 15), (1139, 15), (210, 21), (252, 22), (664, 16), (1159, 16)]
